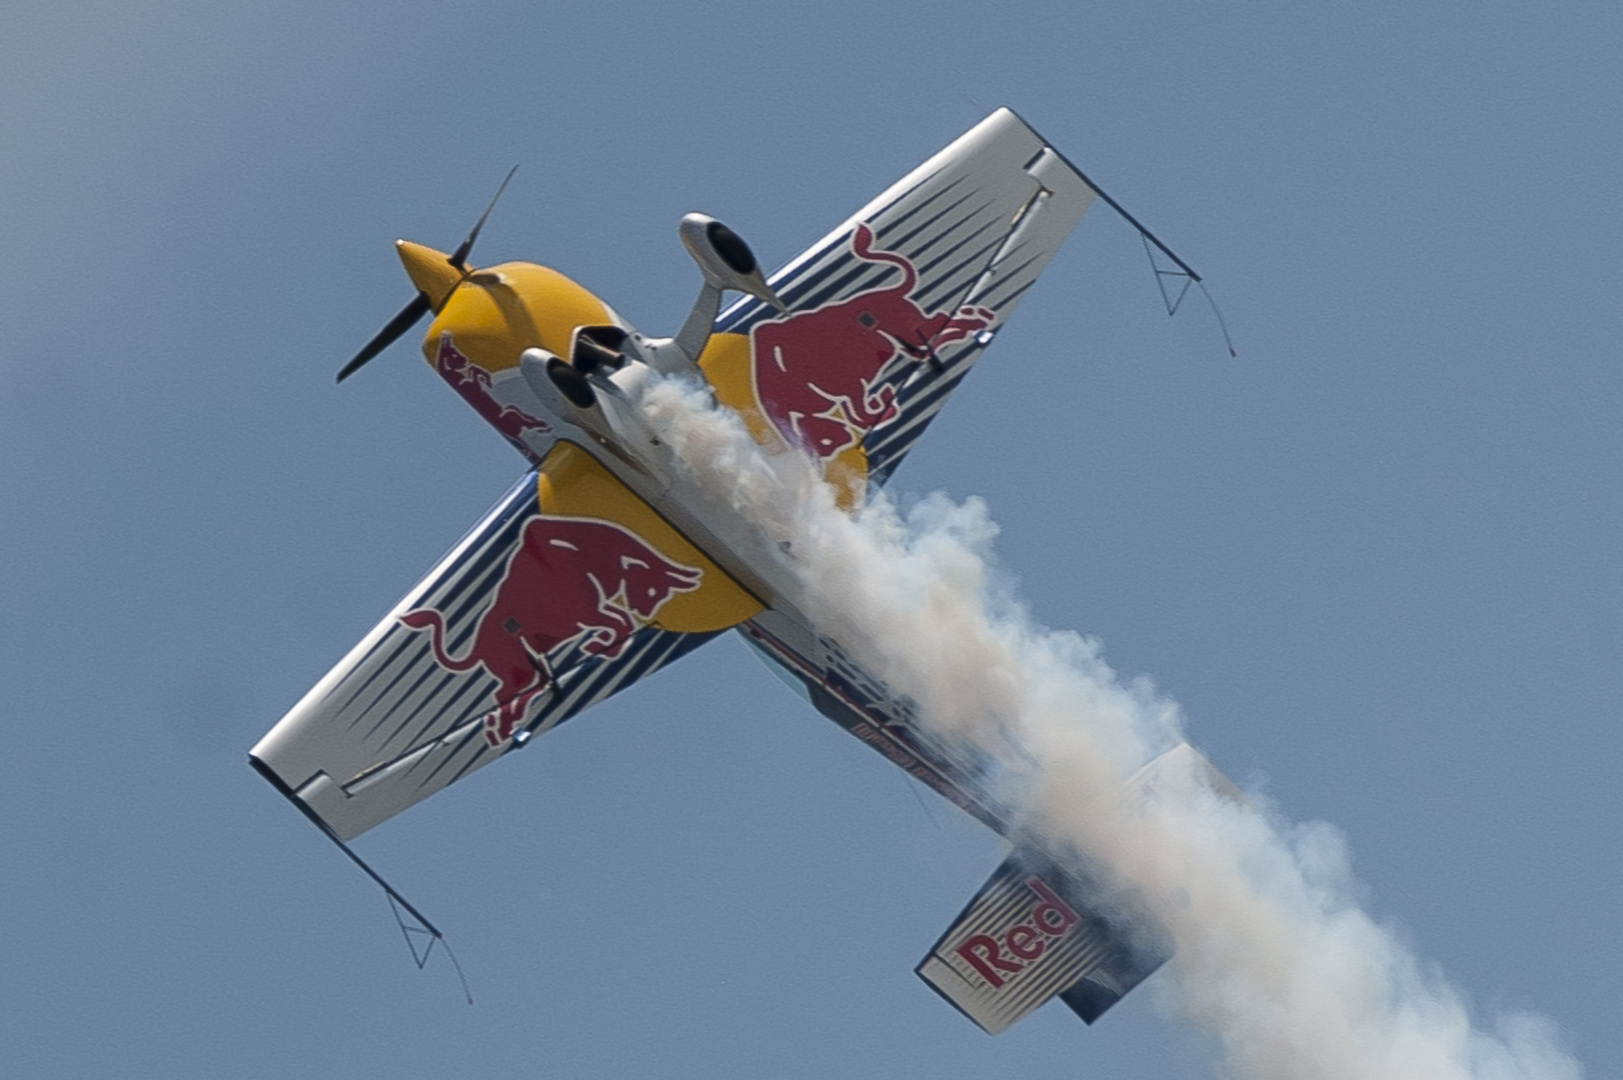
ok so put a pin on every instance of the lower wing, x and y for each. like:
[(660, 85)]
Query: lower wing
[(570, 589), (887, 313)]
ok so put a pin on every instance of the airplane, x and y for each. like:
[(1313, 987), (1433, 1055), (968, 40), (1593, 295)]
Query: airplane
[(605, 562)]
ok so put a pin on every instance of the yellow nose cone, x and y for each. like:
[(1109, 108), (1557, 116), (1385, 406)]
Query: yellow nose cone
[(431, 271)]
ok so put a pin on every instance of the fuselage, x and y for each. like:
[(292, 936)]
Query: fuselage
[(481, 330), (492, 339), (558, 373)]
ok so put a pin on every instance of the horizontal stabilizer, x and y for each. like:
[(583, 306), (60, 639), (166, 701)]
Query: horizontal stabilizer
[(1030, 934), (1037, 931)]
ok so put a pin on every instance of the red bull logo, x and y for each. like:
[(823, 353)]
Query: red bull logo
[(829, 376), (570, 583), (997, 958), (473, 383)]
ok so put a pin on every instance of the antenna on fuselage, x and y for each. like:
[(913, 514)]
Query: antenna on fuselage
[(422, 303)]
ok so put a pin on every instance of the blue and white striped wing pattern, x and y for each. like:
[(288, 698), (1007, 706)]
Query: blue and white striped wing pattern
[(967, 232), (391, 724)]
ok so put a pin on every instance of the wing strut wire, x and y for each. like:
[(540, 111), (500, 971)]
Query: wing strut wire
[(1161, 276), (1221, 324), (415, 933), (1184, 269), (417, 930), (1189, 278)]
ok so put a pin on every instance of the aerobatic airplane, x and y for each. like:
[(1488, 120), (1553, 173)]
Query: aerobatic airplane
[(605, 562)]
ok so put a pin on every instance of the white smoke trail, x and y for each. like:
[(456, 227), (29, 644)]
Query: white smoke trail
[(1273, 955)]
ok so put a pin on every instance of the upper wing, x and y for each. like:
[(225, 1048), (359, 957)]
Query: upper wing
[(568, 590), (887, 313)]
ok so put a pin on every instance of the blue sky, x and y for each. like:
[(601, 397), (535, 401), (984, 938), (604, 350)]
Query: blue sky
[(1374, 557)]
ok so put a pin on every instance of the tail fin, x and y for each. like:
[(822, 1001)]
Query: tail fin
[(1032, 933), (1037, 931)]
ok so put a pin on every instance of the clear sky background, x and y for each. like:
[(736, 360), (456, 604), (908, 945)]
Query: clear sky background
[(1375, 557)]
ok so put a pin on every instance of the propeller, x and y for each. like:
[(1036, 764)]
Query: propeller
[(420, 304), (384, 338), (459, 257)]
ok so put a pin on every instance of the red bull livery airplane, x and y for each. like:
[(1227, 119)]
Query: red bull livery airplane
[(604, 563)]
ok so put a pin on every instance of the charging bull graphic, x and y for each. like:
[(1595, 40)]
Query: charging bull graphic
[(827, 377), (571, 582), (473, 383)]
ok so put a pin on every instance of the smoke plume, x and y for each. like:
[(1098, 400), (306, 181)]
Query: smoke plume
[(1274, 957)]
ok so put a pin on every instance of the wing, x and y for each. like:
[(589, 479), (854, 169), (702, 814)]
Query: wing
[(568, 590), (887, 313)]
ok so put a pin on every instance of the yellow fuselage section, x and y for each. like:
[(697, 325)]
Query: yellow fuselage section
[(489, 317), (498, 312)]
